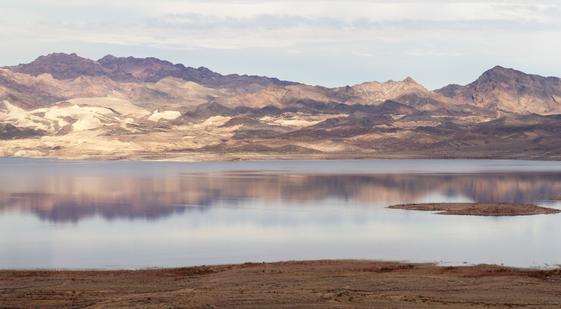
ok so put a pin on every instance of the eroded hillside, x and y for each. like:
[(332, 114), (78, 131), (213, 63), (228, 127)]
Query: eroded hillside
[(130, 108)]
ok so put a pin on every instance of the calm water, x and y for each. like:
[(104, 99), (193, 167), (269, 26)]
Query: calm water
[(59, 214)]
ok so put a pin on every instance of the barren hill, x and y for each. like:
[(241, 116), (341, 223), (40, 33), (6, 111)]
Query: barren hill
[(63, 105)]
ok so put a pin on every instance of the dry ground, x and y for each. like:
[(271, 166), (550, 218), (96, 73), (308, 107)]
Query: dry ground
[(311, 284)]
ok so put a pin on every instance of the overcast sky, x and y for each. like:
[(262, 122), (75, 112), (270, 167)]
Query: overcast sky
[(331, 43)]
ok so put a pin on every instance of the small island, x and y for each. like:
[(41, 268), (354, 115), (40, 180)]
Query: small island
[(480, 209)]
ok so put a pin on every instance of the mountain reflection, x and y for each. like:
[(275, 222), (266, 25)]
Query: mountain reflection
[(71, 198)]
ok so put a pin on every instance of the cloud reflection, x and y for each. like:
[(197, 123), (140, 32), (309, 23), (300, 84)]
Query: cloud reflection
[(71, 197)]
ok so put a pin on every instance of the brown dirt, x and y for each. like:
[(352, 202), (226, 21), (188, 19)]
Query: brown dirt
[(312, 284), (480, 209)]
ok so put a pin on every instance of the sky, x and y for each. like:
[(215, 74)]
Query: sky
[(330, 42)]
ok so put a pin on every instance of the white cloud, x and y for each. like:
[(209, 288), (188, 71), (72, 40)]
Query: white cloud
[(354, 30)]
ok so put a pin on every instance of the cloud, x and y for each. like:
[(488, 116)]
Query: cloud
[(274, 24), (351, 31)]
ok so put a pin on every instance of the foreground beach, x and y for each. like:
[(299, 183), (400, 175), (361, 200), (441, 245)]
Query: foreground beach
[(309, 284)]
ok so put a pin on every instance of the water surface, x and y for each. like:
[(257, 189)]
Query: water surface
[(76, 214)]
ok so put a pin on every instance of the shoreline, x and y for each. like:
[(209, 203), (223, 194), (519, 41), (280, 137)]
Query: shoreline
[(266, 158), (199, 157), (441, 264), (292, 284)]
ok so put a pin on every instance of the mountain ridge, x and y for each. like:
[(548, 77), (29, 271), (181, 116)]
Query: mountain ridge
[(509, 90), (498, 89), (122, 69), (65, 106)]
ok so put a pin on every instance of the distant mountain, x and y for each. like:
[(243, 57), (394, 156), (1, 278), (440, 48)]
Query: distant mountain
[(130, 69), (407, 91), (61, 66), (157, 83), (508, 90), (63, 105), (498, 90)]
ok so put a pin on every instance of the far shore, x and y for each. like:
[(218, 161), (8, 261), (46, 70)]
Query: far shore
[(298, 284), (229, 157)]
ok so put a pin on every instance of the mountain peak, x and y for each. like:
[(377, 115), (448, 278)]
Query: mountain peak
[(64, 66), (59, 56), (60, 66), (112, 60), (108, 57), (498, 68), (409, 80), (510, 90), (501, 74), (61, 59)]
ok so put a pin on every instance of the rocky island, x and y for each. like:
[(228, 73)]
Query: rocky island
[(479, 209)]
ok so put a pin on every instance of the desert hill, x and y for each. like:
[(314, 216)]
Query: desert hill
[(63, 105)]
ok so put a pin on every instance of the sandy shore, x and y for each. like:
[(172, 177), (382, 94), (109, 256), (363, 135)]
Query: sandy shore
[(311, 284), (480, 209)]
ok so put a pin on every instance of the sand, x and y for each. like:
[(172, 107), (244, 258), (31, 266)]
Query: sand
[(311, 284), (479, 209)]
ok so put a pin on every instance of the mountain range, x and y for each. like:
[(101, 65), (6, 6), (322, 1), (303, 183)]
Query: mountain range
[(66, 106)]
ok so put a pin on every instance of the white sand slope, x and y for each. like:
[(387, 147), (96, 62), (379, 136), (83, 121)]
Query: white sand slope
[(54, 118), (165, 115), (84, 117), (121, 106), (22, 118)]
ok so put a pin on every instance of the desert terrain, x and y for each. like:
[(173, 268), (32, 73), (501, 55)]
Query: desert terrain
[(309, 284), (66, 106)]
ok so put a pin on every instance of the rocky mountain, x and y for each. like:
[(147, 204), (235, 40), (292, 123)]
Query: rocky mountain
[(509, 90), (63, 105), (61, 66), (70, 66)]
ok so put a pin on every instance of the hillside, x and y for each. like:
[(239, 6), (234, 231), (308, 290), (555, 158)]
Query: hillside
[(63, 105)]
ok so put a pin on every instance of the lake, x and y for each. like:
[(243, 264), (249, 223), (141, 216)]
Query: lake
[(130, 214)]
